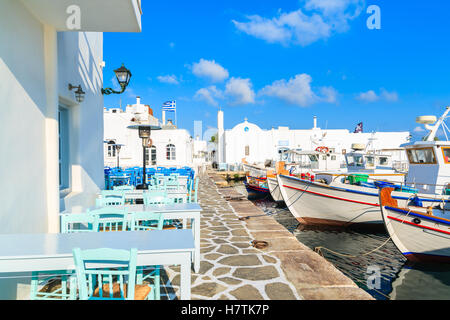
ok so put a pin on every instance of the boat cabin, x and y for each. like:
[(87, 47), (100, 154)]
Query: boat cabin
[(429, 166), (429, 160), (313, 160), (361, 161)]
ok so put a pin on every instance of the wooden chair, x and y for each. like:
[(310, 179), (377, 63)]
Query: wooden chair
[(99, 278), (61, 284), (155, 197), (110, 219), (148, 221), (111, 198)]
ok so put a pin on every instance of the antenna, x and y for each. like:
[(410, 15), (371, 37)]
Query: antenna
[(427, 121)]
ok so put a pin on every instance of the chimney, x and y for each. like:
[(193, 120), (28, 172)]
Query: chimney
[(138, 100), (315, 122)]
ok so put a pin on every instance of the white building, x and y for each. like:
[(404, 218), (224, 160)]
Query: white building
[(172, 147), (248, 141), (52, 157)]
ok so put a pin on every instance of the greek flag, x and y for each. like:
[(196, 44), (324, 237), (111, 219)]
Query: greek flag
[(169, 106), (359, 128)]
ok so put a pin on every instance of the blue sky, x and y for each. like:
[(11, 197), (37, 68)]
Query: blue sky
[(279, 63)]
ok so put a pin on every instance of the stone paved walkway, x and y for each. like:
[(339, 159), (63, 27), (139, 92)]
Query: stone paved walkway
[(232, 269)]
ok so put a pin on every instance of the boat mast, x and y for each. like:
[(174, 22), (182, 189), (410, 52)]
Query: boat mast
[(434, 129)]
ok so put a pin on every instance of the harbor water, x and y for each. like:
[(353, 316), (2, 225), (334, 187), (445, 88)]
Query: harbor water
[(384, 273)]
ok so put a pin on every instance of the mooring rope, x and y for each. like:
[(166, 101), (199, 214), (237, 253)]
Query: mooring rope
[(319, 249)]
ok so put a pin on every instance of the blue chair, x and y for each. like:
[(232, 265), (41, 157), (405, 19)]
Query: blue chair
[(195, 190), (109, 282)]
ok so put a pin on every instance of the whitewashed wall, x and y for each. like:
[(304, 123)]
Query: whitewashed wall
[(131, 154), (36, 65), (264, 144)]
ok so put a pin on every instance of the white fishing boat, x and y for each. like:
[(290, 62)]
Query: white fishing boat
[(422, 231), (346, 199), (301, 164)]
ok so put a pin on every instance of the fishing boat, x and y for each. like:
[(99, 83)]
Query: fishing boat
[(421, 234), (346, 199), (256, 179), (421, 230), (340, 198), (302, 164)]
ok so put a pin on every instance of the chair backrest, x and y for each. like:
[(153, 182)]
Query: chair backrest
[(146, 221), (124, 188), (155, 197), (98, 269), (75, 223), (111, 198), (110, 219)]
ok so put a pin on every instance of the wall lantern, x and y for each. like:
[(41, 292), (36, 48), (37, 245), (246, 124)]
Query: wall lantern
[(79, 94), (123, 76)]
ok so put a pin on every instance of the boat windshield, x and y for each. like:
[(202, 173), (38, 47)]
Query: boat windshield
[(446, 153), (421, 156), (383, 161), (370, 161), (355, 160)]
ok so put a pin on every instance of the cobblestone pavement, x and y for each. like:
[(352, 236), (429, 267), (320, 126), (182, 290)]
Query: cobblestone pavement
[(230, 267)]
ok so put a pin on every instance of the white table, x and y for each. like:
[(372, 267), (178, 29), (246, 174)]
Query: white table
[(51, 252), (138, 194), (178, 211)]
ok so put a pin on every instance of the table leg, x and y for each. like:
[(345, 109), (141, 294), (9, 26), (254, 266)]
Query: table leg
[(196, 230), (185, 277)]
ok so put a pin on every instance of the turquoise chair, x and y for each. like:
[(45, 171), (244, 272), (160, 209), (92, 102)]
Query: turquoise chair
[(152, 197), (111, 198), (194, 190), (124, 188), (141, 221), (74, 223), (110, 219), (155, 197), (70, 223), (109, 282)]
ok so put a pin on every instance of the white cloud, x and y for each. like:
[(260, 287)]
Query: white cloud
[(171, 79), (371, 96), (389, 96), (298, 91), (327, 17), (240, 90), (210, 69), (419, 129), (210, 95)]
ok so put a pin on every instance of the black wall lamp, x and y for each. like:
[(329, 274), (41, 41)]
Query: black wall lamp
[(79, 94), (123, 76)]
